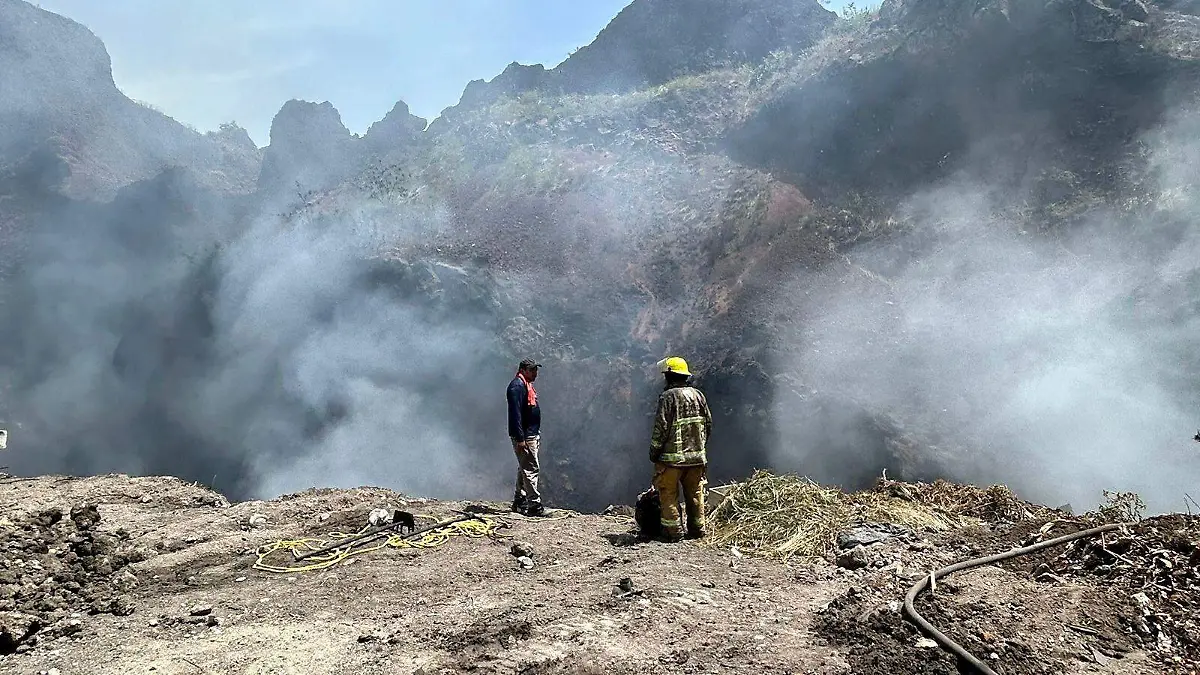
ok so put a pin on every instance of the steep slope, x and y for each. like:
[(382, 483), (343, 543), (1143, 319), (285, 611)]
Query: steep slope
[(57, 92), (652, 218), (951, 239)]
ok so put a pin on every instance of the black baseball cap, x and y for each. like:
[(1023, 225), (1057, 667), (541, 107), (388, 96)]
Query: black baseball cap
[(529, 363)]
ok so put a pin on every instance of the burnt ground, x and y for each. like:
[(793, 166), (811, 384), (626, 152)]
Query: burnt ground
[(171, 588)]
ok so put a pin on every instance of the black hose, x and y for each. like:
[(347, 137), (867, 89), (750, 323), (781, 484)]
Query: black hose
[(946, 642)]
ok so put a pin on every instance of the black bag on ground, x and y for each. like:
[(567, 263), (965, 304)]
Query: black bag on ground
[(647, 514)]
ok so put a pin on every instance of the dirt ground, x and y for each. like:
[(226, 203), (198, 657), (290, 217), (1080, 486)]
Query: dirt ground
[(171, 588)]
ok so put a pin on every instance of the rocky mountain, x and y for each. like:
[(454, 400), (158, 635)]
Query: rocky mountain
[(652, 42), (57, 93), (921, 240)]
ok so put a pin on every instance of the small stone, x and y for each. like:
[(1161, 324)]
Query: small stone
[(866, 535), (854, 559), (526, 562), (85, 516), (239, 580), (926, 643), (257, 520), (367, 637), (378, 517), (522, 550), (212, 621), (200, 610), (123, 606)]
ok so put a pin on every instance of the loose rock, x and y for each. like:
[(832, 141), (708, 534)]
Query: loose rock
[(866, 535), (854, 559)]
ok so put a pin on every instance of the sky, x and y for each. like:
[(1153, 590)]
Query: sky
[(206, 62)]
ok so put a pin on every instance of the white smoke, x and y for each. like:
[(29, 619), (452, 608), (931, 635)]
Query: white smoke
[(1053, 360)]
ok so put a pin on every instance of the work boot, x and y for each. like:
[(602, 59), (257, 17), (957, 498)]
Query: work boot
[(535, 511), (518, 505), (695, 534)]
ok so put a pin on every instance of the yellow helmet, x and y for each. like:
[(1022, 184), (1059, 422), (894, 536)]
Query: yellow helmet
[(674, 364)]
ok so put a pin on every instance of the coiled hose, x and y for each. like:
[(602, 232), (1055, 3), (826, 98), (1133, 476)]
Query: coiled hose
[(942, 639)]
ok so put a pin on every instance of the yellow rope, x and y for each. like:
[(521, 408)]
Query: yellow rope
[(483, 525)]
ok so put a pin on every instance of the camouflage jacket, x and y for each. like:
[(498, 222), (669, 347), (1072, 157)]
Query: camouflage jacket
[(681, 428)]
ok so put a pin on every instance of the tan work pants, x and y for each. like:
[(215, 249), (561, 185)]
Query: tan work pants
[(667, 480), (527, 471)]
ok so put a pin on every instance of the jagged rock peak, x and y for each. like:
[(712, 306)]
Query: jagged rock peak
[(654, 41), (513, 79), (310, 147), (305, 121), (46, 57), (233, 134), (398, 127)]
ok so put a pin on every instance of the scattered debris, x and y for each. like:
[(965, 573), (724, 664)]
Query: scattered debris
[(1158, 561), (522, 550), (51, 566), (784, 515), (993, 504)]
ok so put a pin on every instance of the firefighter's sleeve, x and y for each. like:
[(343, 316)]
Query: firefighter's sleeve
[(707, 416), (659, 435)]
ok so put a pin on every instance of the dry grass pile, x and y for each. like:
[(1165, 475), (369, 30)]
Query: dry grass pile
[(993, 504), (782, 516)]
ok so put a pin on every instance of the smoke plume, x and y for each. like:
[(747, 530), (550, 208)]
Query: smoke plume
[(1063, 364), (289, 354)]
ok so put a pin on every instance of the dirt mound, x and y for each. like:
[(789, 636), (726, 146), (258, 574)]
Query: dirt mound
[(53, 567), (877, 639), (998, 613)]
